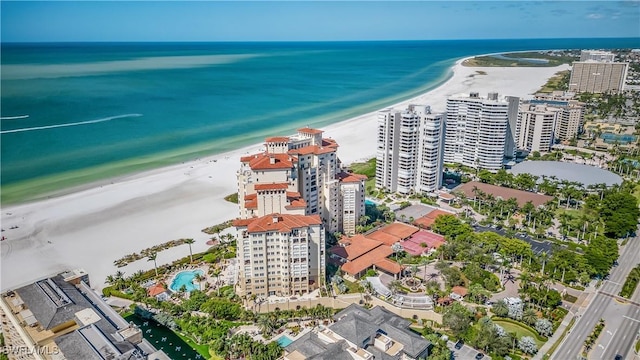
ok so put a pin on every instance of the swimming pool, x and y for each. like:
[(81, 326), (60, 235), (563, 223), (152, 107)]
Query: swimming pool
[(185, 278), (610, 138), (284, 341), (369, 202)]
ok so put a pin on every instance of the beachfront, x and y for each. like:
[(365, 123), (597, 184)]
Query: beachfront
[(93, 227)]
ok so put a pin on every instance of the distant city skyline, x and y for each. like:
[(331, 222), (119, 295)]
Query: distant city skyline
[(51, 21)]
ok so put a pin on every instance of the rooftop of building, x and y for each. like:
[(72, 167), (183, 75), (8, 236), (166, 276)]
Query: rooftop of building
[(80, 324), (271, 186), (360, 326), (264, 161), (584, 174), (277, 222), (367, 259), (522, 197), (346, 177), (277, 139), (427, 220), (422, 241), (308, 130)]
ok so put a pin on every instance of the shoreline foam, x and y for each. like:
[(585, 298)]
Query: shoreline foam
[(95, 226)]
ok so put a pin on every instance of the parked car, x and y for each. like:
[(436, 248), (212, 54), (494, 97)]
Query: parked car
[(479, 356), (618, 357), (459, 345)]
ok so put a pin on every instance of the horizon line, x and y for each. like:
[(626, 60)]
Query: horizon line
[(296, 41)]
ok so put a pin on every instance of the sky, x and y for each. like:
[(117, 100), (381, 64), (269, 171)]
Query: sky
[(60, 21)]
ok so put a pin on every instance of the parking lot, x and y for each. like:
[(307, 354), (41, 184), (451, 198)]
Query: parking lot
[(536, 246), (465, 353)]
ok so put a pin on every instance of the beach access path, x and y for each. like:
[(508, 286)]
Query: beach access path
[(92, 227)]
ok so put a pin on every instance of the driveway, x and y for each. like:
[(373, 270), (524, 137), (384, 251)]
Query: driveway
[(465, 353)]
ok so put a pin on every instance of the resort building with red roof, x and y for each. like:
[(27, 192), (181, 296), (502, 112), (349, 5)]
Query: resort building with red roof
[(357, 254), (288, 196), (280, 254)]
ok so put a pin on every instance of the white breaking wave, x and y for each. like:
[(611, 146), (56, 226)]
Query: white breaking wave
[(70, 124), (14, 117)]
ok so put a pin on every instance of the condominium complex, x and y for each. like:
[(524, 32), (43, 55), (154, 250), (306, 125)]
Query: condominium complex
[(288, 196), (536, 126), (280, 254), (597, 55), (409, 153), (571, 116), (598, 77), (477, 130), (61, 317)]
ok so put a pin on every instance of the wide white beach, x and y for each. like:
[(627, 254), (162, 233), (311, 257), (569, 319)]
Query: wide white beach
[(91, 228)]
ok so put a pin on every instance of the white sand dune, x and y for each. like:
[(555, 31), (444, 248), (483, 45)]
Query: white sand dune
[(93, 227)]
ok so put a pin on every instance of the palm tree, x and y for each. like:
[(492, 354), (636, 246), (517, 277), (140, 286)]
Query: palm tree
[(530, 316), (189, 242), (153, 257)]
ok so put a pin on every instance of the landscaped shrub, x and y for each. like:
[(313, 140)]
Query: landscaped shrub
[(544, 327), (528, 345)]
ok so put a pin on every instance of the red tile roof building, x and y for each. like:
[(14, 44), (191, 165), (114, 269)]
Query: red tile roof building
[(288, 196), (469, 190), (426, 221), (280, 254), (422, 243)]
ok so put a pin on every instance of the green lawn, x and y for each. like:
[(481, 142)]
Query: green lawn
[(519, 330), (188, 349)]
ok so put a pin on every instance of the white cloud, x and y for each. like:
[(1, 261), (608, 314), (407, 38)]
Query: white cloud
[(594, 16)]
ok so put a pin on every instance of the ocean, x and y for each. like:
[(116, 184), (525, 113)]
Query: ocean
[(74, 113)]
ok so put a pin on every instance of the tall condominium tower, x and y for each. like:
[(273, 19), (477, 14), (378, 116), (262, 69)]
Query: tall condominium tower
[(476, 130), (536, 126), (571, 116), (598, 77), (597, 55), (288, 196), (409, 150), (430, 152)]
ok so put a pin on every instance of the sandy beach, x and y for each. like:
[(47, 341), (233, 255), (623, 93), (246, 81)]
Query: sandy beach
[(91, 228)]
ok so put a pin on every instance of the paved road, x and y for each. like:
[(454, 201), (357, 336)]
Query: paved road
[(604, 305)]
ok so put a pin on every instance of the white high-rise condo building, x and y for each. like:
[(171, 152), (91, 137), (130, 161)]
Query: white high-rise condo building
[(597, 55), (290, 194), (598, 77), (409, 153), (430, 152), (477, 129), (536, 126)]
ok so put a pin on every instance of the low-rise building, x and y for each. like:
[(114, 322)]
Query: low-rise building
[(61, 317), (361, 334)]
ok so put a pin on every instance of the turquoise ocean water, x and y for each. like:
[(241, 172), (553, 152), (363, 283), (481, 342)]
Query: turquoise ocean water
[(74, 113)]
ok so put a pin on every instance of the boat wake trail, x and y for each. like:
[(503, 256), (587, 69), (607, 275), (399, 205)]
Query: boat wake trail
[(14, 117), (70, 124)]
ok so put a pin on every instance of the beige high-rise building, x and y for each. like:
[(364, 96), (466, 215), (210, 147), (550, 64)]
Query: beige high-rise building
[(280, 254), (598, 77), (298, 185), (571, 117), (536, 126)]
